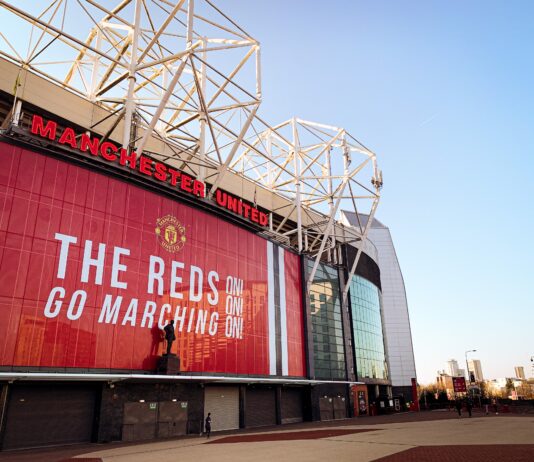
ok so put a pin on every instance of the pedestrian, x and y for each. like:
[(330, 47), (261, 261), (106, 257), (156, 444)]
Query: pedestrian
[(469, 405), (458, 405), (207, 425), (495, 406)]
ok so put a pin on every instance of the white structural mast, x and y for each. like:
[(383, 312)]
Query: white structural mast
[(320, 168), (185, 74)]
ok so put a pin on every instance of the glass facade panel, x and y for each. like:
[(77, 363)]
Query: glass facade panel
[(325, 307), (367, 325)]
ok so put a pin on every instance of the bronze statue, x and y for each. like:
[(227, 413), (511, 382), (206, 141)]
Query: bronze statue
[(169, 335)]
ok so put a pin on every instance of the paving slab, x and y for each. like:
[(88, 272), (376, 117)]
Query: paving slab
[(471, 453)]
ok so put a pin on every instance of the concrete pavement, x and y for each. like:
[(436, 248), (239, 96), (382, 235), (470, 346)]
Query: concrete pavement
[(413, 436), (383, 440)]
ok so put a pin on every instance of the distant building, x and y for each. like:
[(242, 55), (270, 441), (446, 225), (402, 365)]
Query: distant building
[(507, 387), (444, 383), (475, 368), (520, 372), (452, 368)]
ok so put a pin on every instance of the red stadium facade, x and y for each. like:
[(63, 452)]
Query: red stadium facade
[(93, 268)]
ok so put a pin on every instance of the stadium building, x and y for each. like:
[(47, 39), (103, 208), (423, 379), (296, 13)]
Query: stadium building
[(138, 185), (397, 335)]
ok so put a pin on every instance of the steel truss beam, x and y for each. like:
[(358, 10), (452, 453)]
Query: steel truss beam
[(321, 170), (147, 60)]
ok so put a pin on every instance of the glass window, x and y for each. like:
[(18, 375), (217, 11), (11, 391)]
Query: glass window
[(328, 347), (367, 326)]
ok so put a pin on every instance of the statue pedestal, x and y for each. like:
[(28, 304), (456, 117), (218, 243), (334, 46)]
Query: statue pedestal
[(168, 365)]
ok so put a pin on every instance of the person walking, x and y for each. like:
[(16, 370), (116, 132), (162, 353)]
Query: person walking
[(469, 406), (458, 405), (207, 425)]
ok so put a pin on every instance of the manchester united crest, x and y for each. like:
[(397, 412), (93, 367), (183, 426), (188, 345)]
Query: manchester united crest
[(171, 233)]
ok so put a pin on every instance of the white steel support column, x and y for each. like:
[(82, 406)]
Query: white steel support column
[(165, 80), (258, 72), (202, 115), (190, 16), (269, 148), (129, 104), (330, 190), (96, 66), (297, 167), (17, 111)]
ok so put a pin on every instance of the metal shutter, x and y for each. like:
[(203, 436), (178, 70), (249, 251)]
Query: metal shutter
[(326, 408), (260, 407), (47, 415), (292, 405), (340, 408), (223, 403)]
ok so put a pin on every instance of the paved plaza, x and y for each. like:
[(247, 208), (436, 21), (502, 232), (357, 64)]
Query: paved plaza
[(402, 438)]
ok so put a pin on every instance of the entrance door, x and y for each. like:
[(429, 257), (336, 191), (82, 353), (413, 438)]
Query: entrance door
[(48, 415), (172, 419), (146, 421), (139, 421), (332, 408), (359, 397), (340, 408), (326, 408)]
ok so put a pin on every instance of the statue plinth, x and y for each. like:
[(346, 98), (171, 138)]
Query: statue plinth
[(168, 365)]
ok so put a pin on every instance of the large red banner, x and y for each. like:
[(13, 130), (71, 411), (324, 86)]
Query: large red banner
[(92, 268)]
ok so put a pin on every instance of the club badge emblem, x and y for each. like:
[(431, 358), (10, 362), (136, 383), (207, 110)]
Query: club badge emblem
[(171, 233)]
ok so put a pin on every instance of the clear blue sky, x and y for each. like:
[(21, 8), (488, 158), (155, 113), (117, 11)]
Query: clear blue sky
[(443, 92)]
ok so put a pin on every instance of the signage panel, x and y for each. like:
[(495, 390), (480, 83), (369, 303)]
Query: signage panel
[(92, 268), (459, 384)]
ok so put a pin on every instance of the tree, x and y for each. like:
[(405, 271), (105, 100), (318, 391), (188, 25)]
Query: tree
[(483, 390), (509, 387)]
